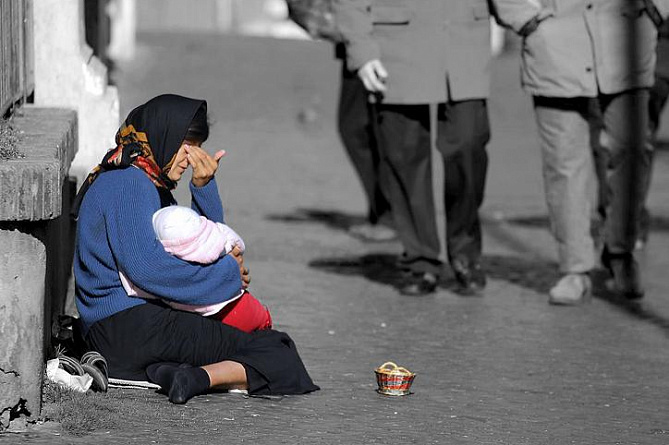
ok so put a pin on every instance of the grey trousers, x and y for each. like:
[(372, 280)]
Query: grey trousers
[(404, 143), (569, 172)]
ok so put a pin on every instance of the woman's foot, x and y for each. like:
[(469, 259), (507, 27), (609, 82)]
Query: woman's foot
[(571, 290), (188, 383), (180, 382)]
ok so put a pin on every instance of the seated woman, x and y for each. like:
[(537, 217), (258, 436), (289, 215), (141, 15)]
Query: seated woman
[(184, 353)]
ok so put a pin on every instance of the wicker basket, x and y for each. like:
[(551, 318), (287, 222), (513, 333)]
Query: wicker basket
[(394, 380)]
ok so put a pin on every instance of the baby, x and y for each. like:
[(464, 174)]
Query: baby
[(194, 238)]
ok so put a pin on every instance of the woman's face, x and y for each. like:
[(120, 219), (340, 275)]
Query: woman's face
[(180, 163)]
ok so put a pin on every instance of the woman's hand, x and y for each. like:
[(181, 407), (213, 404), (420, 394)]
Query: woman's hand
[(244, 271), (204, 165)]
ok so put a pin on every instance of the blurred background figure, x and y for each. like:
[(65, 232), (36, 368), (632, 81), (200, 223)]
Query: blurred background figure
[(578, 74), (356, 121), (358, 132), (408, 59), (272, 21), (656, 104)]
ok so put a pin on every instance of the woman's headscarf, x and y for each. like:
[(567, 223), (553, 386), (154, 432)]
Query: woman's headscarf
[(148, 139)]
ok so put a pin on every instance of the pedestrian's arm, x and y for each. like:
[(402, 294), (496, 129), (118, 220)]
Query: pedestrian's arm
[(658, 10), (522, 16), (354, 20)]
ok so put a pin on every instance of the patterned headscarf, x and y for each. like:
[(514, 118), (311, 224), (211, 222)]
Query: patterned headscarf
[(149, 140)]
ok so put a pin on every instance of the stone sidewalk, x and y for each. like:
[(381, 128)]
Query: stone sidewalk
[(502, 369)]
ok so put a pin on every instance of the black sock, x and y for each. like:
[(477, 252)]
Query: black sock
[(187, 383), (163, 374)]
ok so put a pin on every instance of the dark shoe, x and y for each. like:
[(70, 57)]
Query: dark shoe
[(417, 284), (470, 278), (96, 366), (625, 276)]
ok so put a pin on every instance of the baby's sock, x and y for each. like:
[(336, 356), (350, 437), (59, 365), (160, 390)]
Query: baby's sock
[(187, 383)]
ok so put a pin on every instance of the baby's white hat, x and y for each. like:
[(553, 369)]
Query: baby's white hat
[(176, 222)]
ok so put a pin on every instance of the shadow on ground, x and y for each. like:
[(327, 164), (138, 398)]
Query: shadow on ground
[(657, 223), (382, 268), (330, 218), (634, 308), (378, 267), (531, 273)]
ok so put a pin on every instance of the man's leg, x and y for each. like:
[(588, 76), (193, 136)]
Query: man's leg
[(626, 136), (656, 103), (404, 142), (569, 175), (463, 132), (356, 123)]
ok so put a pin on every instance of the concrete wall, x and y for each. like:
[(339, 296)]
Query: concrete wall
[(123, 28), (36, 235), (256, 17), (67, 75), (185, 16)]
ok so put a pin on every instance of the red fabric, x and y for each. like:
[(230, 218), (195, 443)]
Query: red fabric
[(245, 313)]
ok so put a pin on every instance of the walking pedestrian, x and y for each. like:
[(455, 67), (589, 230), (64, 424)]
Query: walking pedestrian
[(356, 121), (659, 93), (575, 55), (408, 55)]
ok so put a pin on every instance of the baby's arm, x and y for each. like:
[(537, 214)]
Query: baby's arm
[(231, 237)]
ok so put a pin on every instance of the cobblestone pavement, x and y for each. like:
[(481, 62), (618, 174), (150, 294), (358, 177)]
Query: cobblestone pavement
[(502, 369)]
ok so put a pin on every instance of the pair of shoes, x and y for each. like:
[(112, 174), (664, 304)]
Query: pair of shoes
[(571, 290), (373, 232), (96, 366), (92, 363), (470, 277), (417, 284), (625, 276)]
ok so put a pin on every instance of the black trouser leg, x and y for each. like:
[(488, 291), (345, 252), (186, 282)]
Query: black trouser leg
[(404, 142), (356, 120), (463, 132)]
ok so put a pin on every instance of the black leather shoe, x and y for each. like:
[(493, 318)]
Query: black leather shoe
[(417, 284), (470, 277), (625, 276)]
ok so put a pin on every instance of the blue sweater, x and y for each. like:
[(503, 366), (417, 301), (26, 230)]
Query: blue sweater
[(115, 232)]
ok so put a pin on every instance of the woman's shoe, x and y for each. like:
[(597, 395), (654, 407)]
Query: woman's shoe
[(572, 289), (95, 365)]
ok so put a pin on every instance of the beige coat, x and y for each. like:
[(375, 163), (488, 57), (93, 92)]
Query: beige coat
[(433, 50), (582, 49)]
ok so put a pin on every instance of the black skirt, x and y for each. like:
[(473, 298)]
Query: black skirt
[(150, 333)]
